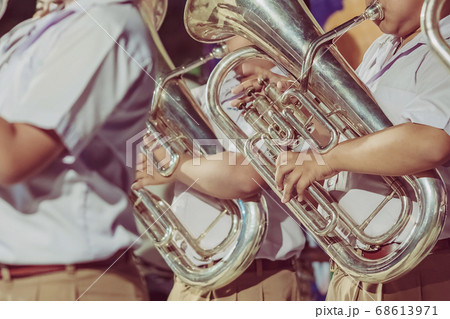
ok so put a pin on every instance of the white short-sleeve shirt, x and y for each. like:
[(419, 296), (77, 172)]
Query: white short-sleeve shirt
[(82, 71), (410, 85)]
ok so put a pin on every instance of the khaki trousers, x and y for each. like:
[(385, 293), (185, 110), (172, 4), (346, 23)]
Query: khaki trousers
[(429, 281), (121, 282), (273, 285)]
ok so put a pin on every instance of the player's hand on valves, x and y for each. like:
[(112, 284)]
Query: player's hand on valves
[(146, 173), (253, 77), (295, 172)]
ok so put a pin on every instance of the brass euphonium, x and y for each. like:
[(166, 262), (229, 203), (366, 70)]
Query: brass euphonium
[(330, 95), (429, 20), (176, 122)]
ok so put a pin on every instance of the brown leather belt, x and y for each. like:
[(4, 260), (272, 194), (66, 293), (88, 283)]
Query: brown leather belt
[(443, 244), (20, 271), (267, 265)]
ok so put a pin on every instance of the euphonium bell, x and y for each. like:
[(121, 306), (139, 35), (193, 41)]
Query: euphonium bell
[(327, 94), (175, 123)]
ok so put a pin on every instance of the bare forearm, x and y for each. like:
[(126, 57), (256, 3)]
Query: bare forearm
[(25, 150), (7, 135), (401, 150), (225, 176)]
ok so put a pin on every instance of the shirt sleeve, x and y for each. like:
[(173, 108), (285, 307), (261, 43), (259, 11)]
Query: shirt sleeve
[(82, 81), (430, 106)]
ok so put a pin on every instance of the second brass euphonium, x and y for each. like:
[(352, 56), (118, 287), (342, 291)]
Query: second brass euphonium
[(175, 123), (331, 95), (3, 5)]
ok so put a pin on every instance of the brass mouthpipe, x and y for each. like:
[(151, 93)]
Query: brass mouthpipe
[(372, 12)]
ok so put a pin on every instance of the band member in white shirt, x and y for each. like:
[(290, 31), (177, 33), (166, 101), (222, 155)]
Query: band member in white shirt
[(76, 84)]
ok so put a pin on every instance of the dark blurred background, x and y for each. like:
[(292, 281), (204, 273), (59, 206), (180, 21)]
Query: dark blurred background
[(16, 12)]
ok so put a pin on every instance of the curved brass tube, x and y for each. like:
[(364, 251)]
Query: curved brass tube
[(429, 20)]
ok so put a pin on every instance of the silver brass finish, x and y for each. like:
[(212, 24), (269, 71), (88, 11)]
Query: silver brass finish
[(429, 20), (373, 12)]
